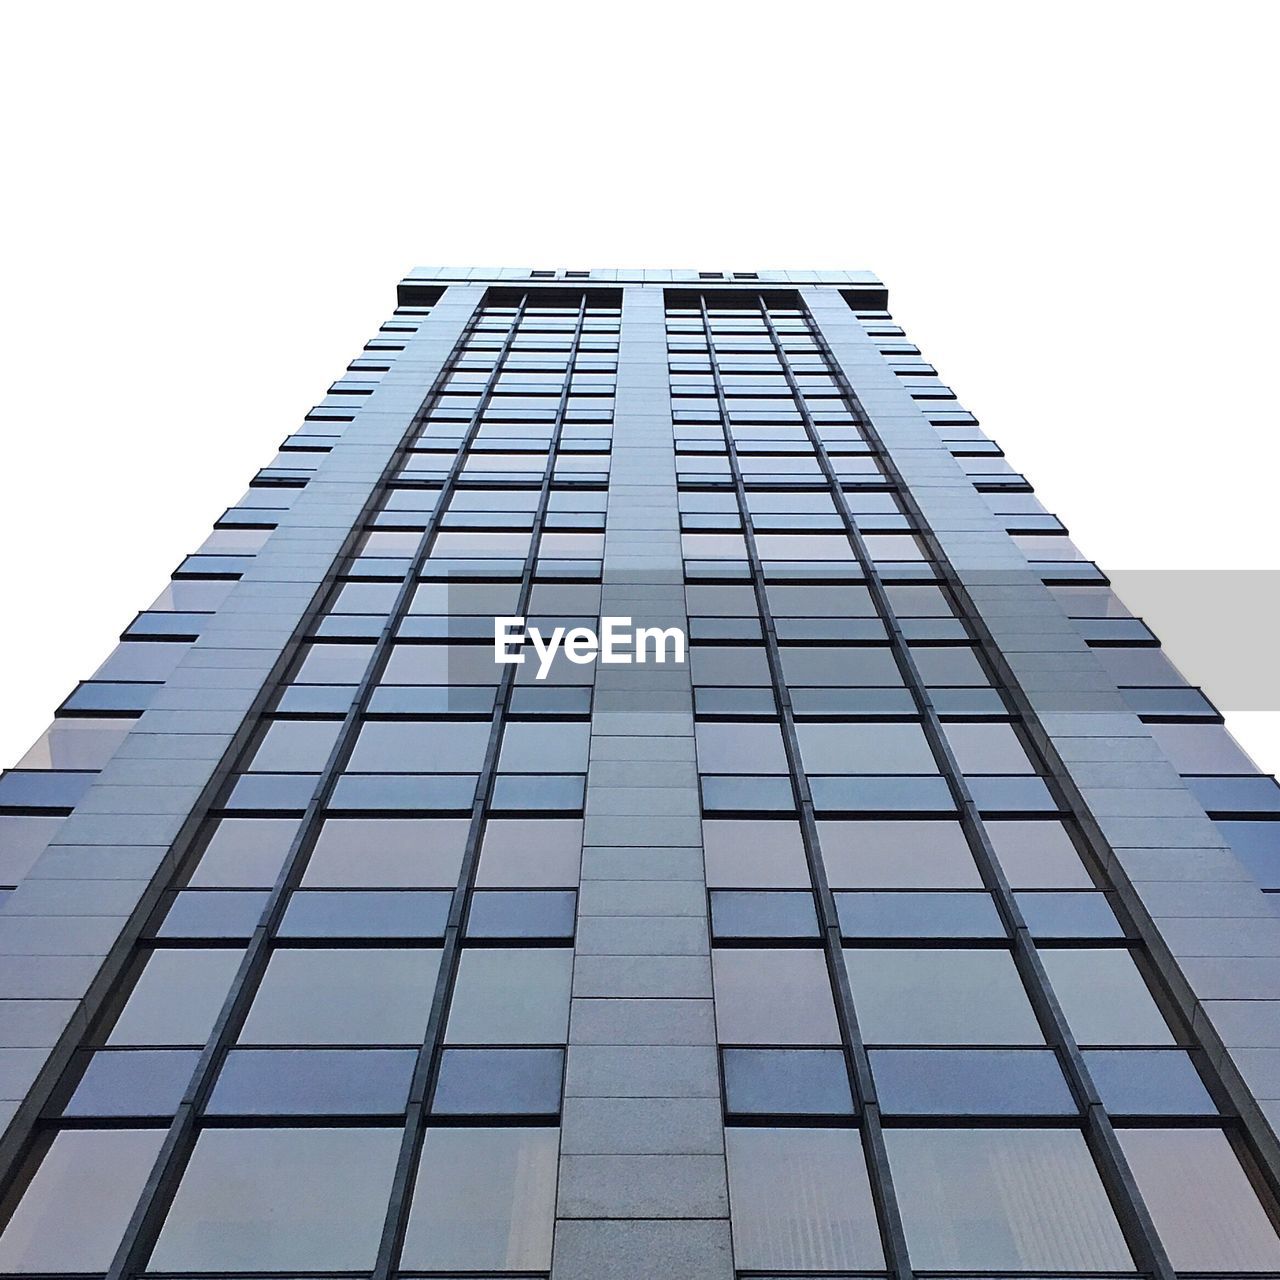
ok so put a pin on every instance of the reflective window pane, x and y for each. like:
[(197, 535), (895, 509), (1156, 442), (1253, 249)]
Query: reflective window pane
[(1141, 1082), (133, 1082), (1003, 1199), (523, 853), (1104, 996), (73, 1214), (507, 1082), (484, 1201), (970, 1082), (754, 853), (305, 1082), (773, 997), (177, 998), (897, 855), (1207, 1213), (280, 1200), (497, 913), (940, 997), (245, 853), (511, 996), (799, 1082), (763, 915), (918, 915), (800, 1199), (397, 852), (343, 996)]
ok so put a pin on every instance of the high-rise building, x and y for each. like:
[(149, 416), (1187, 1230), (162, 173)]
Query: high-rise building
[(913, 919)]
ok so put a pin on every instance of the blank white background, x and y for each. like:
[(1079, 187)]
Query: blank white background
[(208, 209)]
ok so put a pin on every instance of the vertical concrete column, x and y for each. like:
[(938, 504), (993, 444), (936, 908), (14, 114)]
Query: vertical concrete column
[(69, 926), (1207, 925), (643, 1190)]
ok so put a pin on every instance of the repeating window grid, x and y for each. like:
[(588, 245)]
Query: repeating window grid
[(1097, 1126), (181, 1133)]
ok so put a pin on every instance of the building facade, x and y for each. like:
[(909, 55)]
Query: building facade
[(914, 921)]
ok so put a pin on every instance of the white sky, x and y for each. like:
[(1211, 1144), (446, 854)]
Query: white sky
[(208, 208)]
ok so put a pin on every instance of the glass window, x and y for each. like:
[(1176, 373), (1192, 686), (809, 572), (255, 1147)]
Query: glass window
[(948, 665), (864, 748), (732, 747), (522, 853), (884, 794), (499, 913), (839, 665), (801, 1200), (970, 1082), (133, 1082), (795, 1082), (778, 996), (74, 1212), (177, 998), (420, 746), (555, 746), (213, 913), (484, 1201), (1104, 996), (1148, 1082), (365, 913), (313, 1082), (1037, 855), (280, 1200), (1204, 1208), (296, 746), (754, 853), (403, 852), (334, 664), (987, 748), (1004, 1200), (758, 914), (1201, 748), (77, 742), (245, 852), (511, 996), (343, 996), (918, 914), (940, 997), (1069, 915), (508, 1082), (897, 855)]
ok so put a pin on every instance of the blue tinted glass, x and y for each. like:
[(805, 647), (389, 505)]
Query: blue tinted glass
[(558, 792), (201, 913), (801, 1082), (133, 1082), (881, 794), (918, 915), (1243, 795), (763, 915), (1257, 845), (512, 1082), (970, 1082), (724, 794), (439, 792), (515, 914), (315, 913), (1069, 915), (1011, 795), (1144, 1082), (306, 1082), (290, 792)]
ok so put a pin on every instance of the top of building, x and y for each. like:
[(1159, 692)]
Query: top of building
[(640, 275)]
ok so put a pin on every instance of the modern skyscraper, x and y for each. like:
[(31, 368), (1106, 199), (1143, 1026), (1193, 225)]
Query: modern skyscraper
[(914, 921)]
